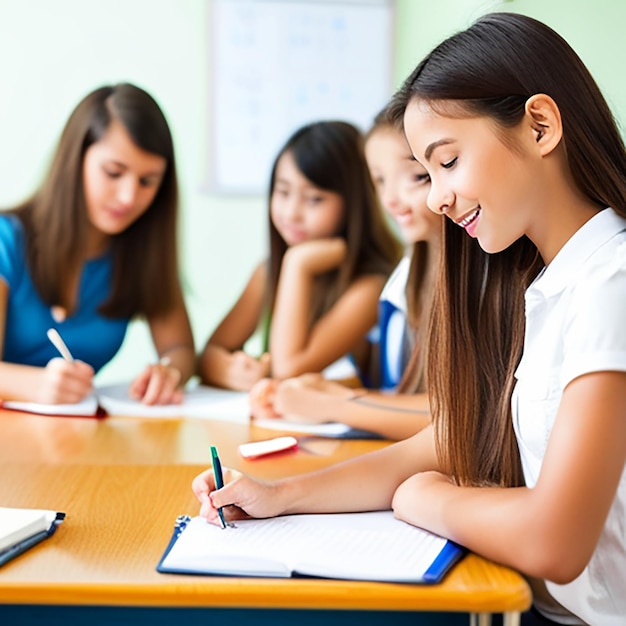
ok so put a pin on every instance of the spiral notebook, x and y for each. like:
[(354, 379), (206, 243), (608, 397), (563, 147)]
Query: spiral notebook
[(372, 546)]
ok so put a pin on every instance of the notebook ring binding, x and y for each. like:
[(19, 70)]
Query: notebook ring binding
[(181, 523)]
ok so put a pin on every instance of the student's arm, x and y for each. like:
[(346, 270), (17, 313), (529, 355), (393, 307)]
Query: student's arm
[(393, 416), (162, 382), (223, 362), (294, 349), (549, 531), (311, 398), (365, 483), (59, 382)]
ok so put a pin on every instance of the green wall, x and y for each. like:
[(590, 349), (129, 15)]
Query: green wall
[(595, 29), (55, 51)]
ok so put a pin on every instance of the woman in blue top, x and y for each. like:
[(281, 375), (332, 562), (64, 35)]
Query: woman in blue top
[(94, 247)]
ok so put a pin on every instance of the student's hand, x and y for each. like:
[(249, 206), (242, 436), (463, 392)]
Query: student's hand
[(318, 255), (65, 382), (157, 384), (309, 398), (243, 370), (262, 399), (241, 497), (313, 382)]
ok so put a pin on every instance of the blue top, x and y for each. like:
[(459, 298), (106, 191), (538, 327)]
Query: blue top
[(391, 338), (89, 335)]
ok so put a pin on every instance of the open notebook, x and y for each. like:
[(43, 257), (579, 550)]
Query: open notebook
[(371, 546), (199, 401), (21, 529)]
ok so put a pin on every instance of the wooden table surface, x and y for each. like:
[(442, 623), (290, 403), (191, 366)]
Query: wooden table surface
[(123, 481), (120, 519), (131, 440)]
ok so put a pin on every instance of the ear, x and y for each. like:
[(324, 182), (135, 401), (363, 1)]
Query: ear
[(545, 124)]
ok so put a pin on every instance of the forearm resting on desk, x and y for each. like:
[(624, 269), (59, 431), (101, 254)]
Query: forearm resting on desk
[(394, 416), (365, 483), (60, 382), (231, 370)]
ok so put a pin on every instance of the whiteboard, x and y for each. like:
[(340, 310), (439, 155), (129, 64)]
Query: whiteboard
[(279, 64)]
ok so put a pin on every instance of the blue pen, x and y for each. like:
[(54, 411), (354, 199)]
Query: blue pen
[(219, 479)]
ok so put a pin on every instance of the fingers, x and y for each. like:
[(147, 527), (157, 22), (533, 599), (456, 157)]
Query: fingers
[(211, 499), (202, 486), (261, 399), (264, 364), (157, 384), (66, 382), (245, 370), (311, 379), (240, 498), (318, 255)]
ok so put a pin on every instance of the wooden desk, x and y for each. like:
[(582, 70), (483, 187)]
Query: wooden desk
[(122, 483), (120, 518), (128, 440)]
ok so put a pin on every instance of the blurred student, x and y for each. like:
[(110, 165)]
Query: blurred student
[(404, 307), (330, 255), (525, 462), (94, 247)]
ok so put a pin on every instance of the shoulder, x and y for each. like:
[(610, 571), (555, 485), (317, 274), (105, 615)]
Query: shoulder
[(260, 272), (11, 227), (594, 323), (257, 283), (11, 243), (367, 285), (601, 283), (258, 279)]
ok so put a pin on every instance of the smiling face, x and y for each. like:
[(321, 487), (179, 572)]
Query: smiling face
[(299, 210), (120, 182), (402, 184), (485, 186)]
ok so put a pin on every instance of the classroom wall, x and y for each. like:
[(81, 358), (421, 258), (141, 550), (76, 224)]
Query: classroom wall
[(53, 52)]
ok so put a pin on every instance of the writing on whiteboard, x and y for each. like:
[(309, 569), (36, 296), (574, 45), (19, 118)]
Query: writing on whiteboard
[(277, 65)]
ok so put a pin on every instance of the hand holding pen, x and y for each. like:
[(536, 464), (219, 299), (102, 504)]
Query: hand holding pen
[(66, 380), (243, 495)]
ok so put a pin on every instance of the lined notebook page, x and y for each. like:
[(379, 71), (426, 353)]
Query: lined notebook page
[(356, 546)]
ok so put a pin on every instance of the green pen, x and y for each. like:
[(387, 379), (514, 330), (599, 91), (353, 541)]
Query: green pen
[(219, 479)]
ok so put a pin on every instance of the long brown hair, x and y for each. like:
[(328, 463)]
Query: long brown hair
[(330, 154), (476, 340), (419, 297), (145, 258)]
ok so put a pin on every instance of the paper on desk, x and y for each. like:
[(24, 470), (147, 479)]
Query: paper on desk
[(327, 429), (355, 546), (84, 408), (334, 430), (199, 401)]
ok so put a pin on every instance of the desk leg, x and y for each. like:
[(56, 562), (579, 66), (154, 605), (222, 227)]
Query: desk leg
[(512, 619), (484, 619)]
